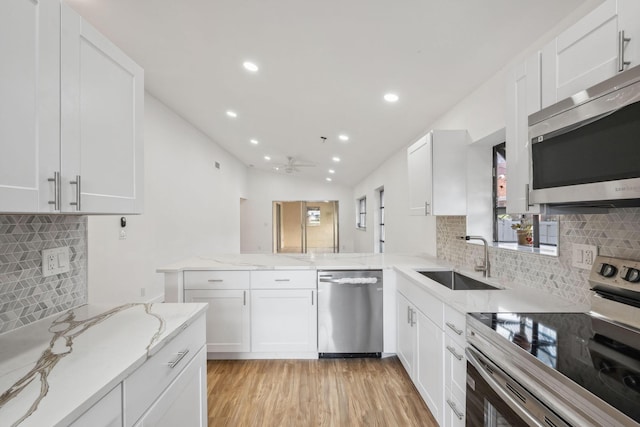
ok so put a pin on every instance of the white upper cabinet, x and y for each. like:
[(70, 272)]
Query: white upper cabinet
[(29, 103), (102, 121), (71, 115), (523, 98), (603, 43), (437, 165)]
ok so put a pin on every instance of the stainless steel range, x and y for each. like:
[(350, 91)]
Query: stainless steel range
[(560, 369)]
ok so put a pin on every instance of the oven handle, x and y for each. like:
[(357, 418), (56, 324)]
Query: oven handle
[(474, 358)]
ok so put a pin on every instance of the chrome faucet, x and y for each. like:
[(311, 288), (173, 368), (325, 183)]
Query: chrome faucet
[(486, 267)]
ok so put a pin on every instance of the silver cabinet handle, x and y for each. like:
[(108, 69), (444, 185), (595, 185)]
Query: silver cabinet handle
[(621, 42), (412, 320), (244, 297), (453, 407), (78, 192), (408, 315), (215, 280), (56, 191), (453, 351), (181, 355), (311, 297), (526, 197), (283, 280), (426, 208), (453, 327)]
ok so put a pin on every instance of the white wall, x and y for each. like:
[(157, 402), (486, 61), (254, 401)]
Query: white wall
[(265, 188), (191, 208), (404, 233)]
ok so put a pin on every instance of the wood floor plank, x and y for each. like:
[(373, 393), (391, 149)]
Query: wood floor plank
[(325, 392)]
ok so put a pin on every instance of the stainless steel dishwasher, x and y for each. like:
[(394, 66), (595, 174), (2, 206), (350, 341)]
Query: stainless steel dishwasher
[(350, 313)]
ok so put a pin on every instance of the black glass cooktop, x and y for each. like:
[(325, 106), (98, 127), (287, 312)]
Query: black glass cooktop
[(598, 355)]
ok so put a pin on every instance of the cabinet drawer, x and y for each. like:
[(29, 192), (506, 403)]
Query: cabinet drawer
[(455, 325), (431, 306), (455, 366), (106, 413), (454, 411), (216, 279), (283, 279), (143, 386)]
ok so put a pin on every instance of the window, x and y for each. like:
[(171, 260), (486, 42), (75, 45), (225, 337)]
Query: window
[(520, 230), (362, 213), (499, 190), (381, 199)]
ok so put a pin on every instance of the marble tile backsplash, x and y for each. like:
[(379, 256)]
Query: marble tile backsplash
[(25, 295), (616, 234)]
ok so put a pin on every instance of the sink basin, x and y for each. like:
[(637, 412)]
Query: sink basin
[(456, 281)]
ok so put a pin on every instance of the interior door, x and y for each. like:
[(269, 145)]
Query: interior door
[(305, 227)]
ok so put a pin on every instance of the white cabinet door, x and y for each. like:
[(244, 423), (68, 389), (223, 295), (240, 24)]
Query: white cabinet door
[(284, 320), (102, 117), (523, 99), (184, 402), (107, 412), (429, 370), (228, 318), (437, 165), (420, 178), (29, 103), (591, 51), (406, 333)]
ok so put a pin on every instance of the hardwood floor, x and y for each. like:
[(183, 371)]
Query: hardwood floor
[(325, 392)]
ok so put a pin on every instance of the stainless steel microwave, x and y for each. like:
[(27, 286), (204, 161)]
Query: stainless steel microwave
[(585, 150)]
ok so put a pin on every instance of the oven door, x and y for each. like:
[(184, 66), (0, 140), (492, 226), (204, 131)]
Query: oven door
[(494, 399)]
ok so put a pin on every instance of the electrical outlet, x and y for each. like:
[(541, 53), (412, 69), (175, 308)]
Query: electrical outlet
[(584, 256), (55, 261)]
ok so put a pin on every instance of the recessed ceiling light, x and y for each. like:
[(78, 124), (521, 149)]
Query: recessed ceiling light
[(267, 158), (250, 66), (343, 137), (391, 97), (328, 179), (332, 171), (336, 159), (254, 141), (232, 114)]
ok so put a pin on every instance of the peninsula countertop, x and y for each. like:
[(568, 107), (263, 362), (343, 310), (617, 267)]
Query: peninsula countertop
[(340, 261), (510, 297), (53, 370)]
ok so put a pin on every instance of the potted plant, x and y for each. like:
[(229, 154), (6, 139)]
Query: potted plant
[(524, 231)]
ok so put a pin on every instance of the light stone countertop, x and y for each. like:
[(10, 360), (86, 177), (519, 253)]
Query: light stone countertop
[(67, 362), (504, 300), (341, 261)]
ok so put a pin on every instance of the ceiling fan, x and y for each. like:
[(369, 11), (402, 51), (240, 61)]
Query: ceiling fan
[(293, 164)]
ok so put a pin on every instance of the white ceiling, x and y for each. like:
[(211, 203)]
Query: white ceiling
[(324, 67)]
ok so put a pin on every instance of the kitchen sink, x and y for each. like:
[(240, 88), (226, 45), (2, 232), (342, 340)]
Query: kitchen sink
[(456, 281)]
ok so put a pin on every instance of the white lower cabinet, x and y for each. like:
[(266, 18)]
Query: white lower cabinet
[(284, 312), (431, 342), (428, 370), (284, 320), (228, 318), (455, 377), (420, 343), (229, 310), (183, 403), (406, 345), (170, 387), (107, 412)]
